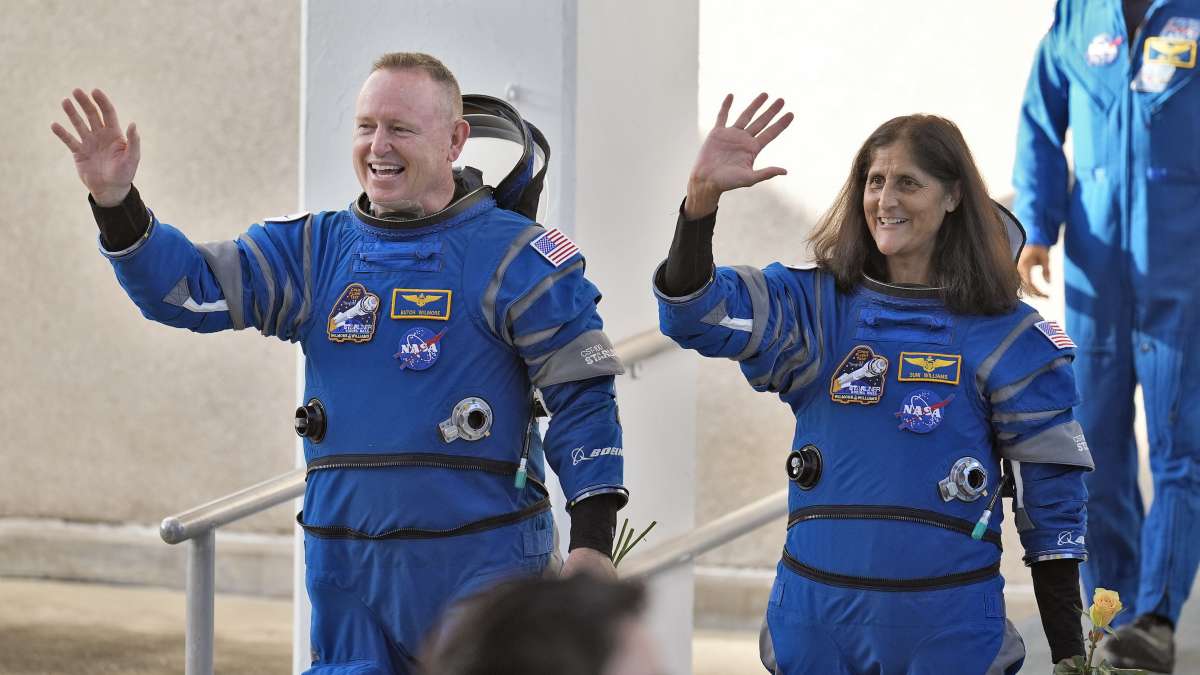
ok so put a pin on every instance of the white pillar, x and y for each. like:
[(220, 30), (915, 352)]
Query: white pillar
[(613, 87)]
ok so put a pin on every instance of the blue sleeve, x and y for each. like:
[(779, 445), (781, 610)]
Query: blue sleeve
[(548, 315), (1031, 393), (263, 279), (768, 320), (1040, 169)]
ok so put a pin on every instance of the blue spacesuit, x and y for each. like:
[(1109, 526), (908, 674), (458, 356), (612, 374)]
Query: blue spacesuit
[(1131, 290), (424, 348), (905, 413)]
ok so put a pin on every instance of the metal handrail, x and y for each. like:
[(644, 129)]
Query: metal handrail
[(198, 525), (684, 548), (247, 502)]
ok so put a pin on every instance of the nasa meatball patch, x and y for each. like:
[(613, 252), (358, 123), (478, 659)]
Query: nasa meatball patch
[(860, 378), (353, 316), (922, 411), (419, 349)]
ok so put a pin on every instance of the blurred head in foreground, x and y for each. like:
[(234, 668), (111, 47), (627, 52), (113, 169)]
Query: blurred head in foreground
[(574, 626)]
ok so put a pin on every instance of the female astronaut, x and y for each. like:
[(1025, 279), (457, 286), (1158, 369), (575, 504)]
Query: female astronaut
[(921, 387)]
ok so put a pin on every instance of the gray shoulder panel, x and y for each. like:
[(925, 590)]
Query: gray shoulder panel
[(760, 307), (1010, 390), (266, 319), (525, 302), (984, 371), (225, 261), (590, 354), (488, 304), (306, 303), (1061, 444)]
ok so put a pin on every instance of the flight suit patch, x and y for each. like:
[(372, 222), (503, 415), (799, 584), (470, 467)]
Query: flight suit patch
[(1103, 49), (922, 411), (419, 349), (421, 303), (353, 316), (860, 377), (1170, 51), (928, 367)]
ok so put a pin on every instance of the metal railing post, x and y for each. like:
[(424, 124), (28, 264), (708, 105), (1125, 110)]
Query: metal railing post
[(201, 585)]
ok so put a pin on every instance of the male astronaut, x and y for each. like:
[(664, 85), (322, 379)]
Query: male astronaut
[(1123, 77), (429, 318)]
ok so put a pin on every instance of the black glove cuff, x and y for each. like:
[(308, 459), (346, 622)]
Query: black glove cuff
[(594, 523), (121, 226), (1056, 587), (690, 262)]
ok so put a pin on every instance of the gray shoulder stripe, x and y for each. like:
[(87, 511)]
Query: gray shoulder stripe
[(289, 294), (760, 308), (1010, 390), (814, 369), (225, 261), (590, 354), (1060, 444), (535, 337), (984, 371), (488, 304), (306, 263), (266, 318), (522, 305), (1027, 416)]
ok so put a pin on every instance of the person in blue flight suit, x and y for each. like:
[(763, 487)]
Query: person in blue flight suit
[(915, 374), (1123, 77), (430, 319)]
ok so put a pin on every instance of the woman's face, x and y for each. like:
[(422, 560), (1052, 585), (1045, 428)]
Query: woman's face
[(904, 206)]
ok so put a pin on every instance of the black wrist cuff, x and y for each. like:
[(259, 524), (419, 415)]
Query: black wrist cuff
[(1056, 587), (594, 523), (690, 262), (121, 226)]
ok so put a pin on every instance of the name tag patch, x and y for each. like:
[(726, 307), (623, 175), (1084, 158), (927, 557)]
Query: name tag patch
[(928, 367), (421, 303)]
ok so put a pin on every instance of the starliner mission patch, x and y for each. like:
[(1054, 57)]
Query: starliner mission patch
[(352, 318), (860, 378)]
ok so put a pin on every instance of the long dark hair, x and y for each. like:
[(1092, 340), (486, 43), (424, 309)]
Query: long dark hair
[(971, 263)]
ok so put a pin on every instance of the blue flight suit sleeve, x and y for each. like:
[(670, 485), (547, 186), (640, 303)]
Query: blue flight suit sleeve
[(1030, 388), (1040, 171), (768, 320), (262, 279), (548, 315)]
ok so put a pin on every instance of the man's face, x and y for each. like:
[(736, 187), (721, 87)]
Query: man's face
[(405, 141)]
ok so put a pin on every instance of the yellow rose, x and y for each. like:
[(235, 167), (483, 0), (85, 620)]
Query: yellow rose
[(1105, 605)]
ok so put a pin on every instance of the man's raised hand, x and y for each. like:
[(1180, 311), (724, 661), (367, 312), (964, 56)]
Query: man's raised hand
[(105, 159), (726, 159)]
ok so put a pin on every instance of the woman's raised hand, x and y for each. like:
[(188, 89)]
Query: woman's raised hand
[(105, 159), (726, 160)]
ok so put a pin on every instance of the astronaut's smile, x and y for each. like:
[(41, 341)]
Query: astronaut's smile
[(384, 170), (891, 222)]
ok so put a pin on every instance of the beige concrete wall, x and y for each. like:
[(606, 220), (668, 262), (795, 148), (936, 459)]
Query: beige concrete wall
[(109, 418)]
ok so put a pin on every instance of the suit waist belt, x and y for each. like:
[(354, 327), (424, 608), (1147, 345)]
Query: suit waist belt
[(380, 461)]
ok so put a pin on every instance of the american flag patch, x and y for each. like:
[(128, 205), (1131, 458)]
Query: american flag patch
[(1055, 334), (555, 246)]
